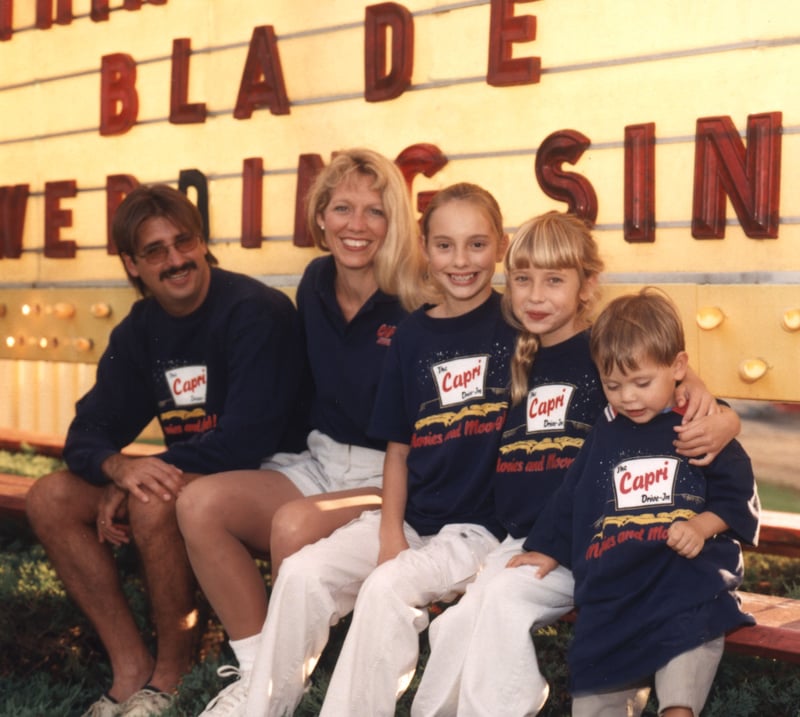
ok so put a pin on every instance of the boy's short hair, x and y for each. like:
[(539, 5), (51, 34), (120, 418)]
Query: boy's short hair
[(637, 327)]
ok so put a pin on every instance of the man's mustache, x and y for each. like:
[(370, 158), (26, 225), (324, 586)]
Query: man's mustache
[(167, 273)]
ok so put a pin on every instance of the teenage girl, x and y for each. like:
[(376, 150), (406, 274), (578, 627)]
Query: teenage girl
[(483, 660), (441, 405)]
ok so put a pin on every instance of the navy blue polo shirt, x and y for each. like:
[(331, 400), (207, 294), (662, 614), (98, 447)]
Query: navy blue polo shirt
[(346, 358)]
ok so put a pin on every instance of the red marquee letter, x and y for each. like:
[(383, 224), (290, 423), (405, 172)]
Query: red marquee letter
[(55, 217), (420, 158), (119, 101), (252, 202), (750, 177), (44, 13), (381, 85), (13, 203), (180, 111), (262, 80), (566, 146), (99, 11), (6, 20), (640, 183), (504, 31), (308, 167), (118, 186)]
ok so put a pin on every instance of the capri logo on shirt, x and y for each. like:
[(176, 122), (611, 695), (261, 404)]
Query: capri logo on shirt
[(645, 481), (187, 385), (547, 407), (461, 379)]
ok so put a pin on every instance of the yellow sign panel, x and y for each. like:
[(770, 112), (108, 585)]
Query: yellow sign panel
[(219, 82)]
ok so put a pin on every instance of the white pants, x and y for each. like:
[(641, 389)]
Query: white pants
[(483, 660), (321, 583)]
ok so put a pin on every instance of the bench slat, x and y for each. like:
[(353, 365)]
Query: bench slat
[(13, 489), (777, 634)]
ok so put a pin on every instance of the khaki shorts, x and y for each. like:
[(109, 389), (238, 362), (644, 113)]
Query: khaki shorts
[(328, 466), (684, 681)]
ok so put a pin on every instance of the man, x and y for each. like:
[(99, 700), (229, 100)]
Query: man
[(218, 358)]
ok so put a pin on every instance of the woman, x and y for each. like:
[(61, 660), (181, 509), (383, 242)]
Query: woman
[(350, 303)]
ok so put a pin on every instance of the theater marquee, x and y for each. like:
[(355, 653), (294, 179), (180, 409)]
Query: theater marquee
[(672, 124)]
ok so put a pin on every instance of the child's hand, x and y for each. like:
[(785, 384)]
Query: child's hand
[(685, 539), (391, 548), (544, 562), (695, 400), (702, 439)]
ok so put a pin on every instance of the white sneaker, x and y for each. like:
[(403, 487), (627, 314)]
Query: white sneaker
[(147, 702), (104, 707), (231, 700)]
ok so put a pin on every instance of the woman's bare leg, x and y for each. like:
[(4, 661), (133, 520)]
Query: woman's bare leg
[(223, 517), (307, 520)]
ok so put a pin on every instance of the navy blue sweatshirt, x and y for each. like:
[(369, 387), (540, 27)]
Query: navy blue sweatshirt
[(640, 604), (225, 382)]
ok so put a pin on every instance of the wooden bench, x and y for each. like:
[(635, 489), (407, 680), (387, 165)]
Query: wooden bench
[(14, 488), (776, 636)]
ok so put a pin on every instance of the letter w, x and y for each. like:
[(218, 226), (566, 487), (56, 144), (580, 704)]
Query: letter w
[(13, 203)]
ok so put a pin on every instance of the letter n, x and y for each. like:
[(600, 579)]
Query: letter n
[(119, 101), (750, 177), (13, 203), (262, 80), (566, 146), (504, 31), (378, 84)]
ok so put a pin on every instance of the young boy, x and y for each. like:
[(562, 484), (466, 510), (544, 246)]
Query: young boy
[(652, 541)]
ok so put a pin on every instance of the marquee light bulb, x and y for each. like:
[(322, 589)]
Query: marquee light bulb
[(100, 310), (64, 310), (752, 369), (791, 320), (709, 317)]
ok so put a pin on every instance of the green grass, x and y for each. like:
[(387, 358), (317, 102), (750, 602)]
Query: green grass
[(777, 497), (52, 664)]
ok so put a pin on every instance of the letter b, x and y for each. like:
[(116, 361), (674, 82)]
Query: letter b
[(119, 101)]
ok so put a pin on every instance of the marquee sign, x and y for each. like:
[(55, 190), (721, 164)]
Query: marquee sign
[(672, 124)]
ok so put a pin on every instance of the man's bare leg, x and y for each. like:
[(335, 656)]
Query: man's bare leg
[(62, 509), (170, 587)]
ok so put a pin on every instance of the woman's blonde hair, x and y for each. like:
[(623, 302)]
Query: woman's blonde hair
[(550, 241), (463, 192), (399, 258)]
